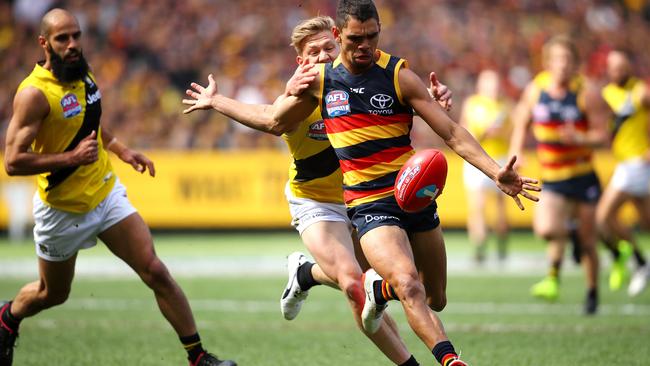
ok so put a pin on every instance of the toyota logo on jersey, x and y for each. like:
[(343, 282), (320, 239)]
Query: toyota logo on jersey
[(381, 101)]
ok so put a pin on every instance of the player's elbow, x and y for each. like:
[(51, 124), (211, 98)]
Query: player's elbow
[(276, 128)]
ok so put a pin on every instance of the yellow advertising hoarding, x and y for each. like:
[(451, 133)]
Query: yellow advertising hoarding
[(246, 190)]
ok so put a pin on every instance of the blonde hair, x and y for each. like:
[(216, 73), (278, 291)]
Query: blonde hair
[(308, 28), (563, 41)]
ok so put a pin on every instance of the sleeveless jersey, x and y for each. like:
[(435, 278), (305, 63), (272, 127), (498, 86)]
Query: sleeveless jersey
[(75, 110), (368, 125), (630, 125), (314, 172), (483, 113), (560, 161)]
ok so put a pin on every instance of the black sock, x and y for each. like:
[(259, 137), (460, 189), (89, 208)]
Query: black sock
[(410, 362), (379, 297), (555, 269), (9, 319), (639, 258), (305, 278), (613, 248), (443, 352), (592, 293), (192, 345)]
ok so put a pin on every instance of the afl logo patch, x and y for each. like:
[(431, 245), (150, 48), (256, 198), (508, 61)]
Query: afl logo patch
[(337, 103), (70, 105), (317, 131)]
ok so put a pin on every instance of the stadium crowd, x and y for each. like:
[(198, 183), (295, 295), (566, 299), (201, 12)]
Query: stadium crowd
[(144, 53)]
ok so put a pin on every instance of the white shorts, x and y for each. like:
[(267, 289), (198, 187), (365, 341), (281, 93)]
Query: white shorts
[(476, 180), (305, 212), (58, 235), (632, 177)]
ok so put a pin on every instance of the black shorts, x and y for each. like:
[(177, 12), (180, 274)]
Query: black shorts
[(585, 188), (385, 211)]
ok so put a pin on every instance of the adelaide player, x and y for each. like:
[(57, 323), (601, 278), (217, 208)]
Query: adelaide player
[(367, 99)]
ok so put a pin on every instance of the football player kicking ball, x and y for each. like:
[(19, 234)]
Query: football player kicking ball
[(314, 190), (367, 99)]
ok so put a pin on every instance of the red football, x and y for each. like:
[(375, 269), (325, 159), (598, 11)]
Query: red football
[(421, 180)]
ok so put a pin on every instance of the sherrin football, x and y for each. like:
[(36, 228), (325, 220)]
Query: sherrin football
[(421, 180)]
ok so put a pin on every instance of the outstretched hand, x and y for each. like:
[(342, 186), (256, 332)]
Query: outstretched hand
[(509, 181), (440, 92), (202, 95)]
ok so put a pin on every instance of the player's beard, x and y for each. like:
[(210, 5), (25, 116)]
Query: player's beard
[(68, 71)]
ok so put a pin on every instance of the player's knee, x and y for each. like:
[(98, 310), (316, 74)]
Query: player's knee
[(155, 274), (51, 298), (408, 287), (352, 287), (547, 232)]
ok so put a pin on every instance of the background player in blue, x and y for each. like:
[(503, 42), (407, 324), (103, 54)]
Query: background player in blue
[(391, 236)]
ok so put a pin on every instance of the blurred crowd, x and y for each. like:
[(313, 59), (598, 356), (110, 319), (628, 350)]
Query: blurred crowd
[(146, 52)]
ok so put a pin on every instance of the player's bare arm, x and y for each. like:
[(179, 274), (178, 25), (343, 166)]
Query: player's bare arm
[(255, 116), (30, 109), (137, 160), (462, 142), (290, 110), (521, 119)]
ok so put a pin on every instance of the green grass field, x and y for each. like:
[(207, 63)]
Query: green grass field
[(111, 318)]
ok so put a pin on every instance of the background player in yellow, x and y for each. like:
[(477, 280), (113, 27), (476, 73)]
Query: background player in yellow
[(568, 119), (362, 75), (485, 115), (55, 133), (314, 190), (629, 99)]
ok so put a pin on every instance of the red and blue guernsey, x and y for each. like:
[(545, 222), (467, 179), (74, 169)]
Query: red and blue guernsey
[(369, 126)]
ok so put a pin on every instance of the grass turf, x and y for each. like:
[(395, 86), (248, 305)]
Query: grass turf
[(490, 317)]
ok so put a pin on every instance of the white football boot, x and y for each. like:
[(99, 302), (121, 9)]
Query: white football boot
[(372, 312), (293, 297), (639, 280)]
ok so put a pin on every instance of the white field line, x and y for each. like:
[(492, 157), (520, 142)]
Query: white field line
[(255, 306), (261, 265)]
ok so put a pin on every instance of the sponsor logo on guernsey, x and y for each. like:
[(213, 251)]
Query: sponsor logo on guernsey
[(317, 131), (89, 81), (407, 177), (371, 218), (382, 103), (92, 98), (337, 103), (70, 105), (541, 113)]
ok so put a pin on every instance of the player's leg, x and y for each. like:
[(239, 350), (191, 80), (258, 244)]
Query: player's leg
[(615, 236), (477, 230), (476, 222), (331, 246), (431, 261), (551, 215), (588, 238), (501, 227), (130, 240), (50, 290), (641, 275), (389, 252)]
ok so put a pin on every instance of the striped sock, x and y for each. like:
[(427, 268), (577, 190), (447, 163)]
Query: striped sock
[(193, 346), (444, 352), (384, 292)]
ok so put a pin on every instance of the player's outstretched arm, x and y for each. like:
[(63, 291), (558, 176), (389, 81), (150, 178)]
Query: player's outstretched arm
[(461, 141), (137, 160), (30, 109), (255, 116)]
